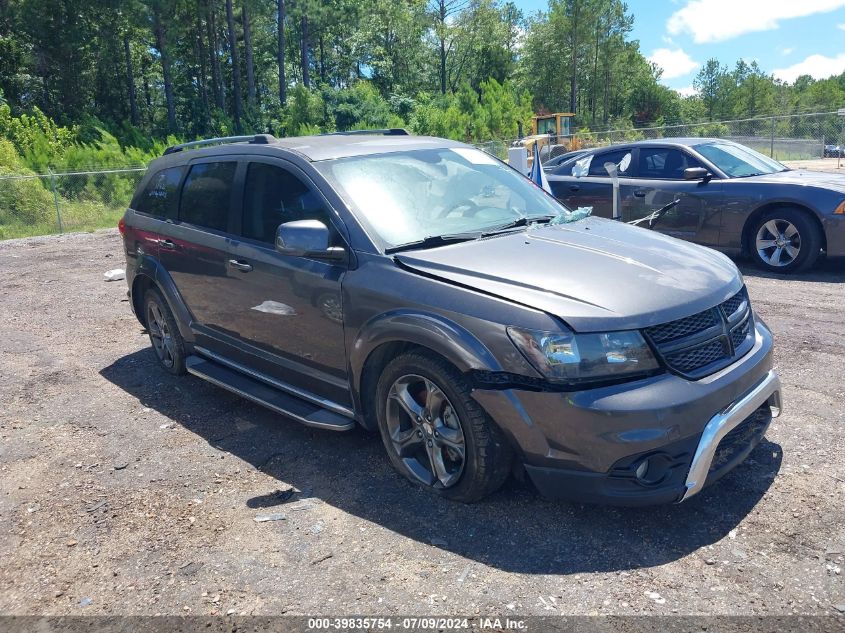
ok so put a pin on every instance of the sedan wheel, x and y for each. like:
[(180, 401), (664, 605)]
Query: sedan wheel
[(425, 431), (778, 242), (785, 240)]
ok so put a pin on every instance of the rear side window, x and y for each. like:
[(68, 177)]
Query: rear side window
[(273, 196), (207, 194), (160, 196), (596, 167)]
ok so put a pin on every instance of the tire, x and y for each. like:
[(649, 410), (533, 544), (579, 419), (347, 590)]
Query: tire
[(558, 150), (167, 342), (416, 384), (785, 241)]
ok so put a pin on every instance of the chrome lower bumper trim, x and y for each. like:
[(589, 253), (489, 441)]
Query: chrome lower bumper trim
[(768, 390)]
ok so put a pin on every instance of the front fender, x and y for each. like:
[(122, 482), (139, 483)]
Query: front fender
[(433, 331), (150, 267)]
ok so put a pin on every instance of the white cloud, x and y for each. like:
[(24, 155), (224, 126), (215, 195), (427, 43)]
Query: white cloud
[(817, 66), (786, 51), (675, 63), (686, 91), (841, 27), (719, 20)]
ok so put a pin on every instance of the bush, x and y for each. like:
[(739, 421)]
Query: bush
[(22, 200)]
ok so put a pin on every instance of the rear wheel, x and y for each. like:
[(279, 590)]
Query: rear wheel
[(435, 434), (785, 241), (164, 334)]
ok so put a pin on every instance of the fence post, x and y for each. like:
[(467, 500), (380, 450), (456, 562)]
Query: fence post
[(56, 199), (772, 147)]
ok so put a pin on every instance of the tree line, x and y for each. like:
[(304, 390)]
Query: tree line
[(469, 69)]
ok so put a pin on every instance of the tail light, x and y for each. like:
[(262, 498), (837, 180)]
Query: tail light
[(121, 226)]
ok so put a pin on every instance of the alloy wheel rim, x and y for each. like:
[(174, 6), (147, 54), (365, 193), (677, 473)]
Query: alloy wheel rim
[(425, 431), (160, 335), (778, 242)]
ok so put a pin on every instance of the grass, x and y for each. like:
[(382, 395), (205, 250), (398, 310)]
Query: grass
[(76, 217)]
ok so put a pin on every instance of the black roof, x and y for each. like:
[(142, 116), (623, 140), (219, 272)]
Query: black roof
[(680, 141)]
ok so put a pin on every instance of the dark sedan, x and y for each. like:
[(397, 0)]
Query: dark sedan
[(731, 198)]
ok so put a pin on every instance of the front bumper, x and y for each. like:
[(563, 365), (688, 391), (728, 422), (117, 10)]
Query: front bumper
[(587, 446), (834, 233)]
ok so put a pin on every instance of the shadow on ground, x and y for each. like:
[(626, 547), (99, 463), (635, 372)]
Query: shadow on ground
[(827, 270), (514, 530)]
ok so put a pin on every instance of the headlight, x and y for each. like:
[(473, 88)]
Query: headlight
[(568, 357)]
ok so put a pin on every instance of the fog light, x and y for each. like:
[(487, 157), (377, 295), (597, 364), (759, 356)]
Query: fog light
[(653, 469)]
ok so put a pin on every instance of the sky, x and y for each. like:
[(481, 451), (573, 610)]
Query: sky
[(787, 38)]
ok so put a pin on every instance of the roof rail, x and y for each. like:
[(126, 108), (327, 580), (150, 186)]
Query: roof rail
[(393, 131), (255, 139)]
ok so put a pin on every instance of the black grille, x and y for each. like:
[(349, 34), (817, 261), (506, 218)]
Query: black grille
[(682, 327), (732, 305), (691, 359), (740, 333), (707, 341), (741, 437)]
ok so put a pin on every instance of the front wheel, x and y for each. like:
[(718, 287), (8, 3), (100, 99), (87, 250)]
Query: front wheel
[(785, 241), (435, 434)]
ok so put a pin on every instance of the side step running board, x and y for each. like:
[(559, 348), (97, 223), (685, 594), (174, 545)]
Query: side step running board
[(260, 393)]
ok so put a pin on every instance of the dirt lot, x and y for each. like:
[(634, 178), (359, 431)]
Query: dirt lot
[(124, 490)]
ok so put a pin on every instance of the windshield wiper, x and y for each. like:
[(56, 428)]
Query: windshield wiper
[(432, 241), (519, 222)]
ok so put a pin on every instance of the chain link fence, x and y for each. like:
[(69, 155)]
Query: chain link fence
[(783, 137), (43, 204)]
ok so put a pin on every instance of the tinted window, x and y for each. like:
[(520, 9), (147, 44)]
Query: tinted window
[(207, 194), (273, 196), (598, 160), (664, 163), (159, 197)]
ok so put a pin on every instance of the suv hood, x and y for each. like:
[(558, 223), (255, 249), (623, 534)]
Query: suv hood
[(594, 274)]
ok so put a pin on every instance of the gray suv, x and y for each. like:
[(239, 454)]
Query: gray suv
[(420, 288)]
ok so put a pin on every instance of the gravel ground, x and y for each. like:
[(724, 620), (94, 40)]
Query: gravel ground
[(818, 164), (124, 490)]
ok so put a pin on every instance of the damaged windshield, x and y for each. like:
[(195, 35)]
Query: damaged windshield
[(417, 196)]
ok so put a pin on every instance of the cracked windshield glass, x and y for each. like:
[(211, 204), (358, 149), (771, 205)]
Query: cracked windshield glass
[(406, 197)]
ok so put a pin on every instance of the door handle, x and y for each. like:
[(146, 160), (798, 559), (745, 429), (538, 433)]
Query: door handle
[(640, 193), (575, 187), (167, 244), (239, 265)]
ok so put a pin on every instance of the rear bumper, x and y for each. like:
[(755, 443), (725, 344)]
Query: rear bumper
[(588, 445)]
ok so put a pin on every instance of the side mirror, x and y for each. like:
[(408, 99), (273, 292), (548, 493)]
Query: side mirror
[(697, 173), (307, 238)]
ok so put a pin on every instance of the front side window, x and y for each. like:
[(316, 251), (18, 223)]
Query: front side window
[(159, 197), (273, 196), (407, 196), (738, 161), (207, 194), (664, 163)]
